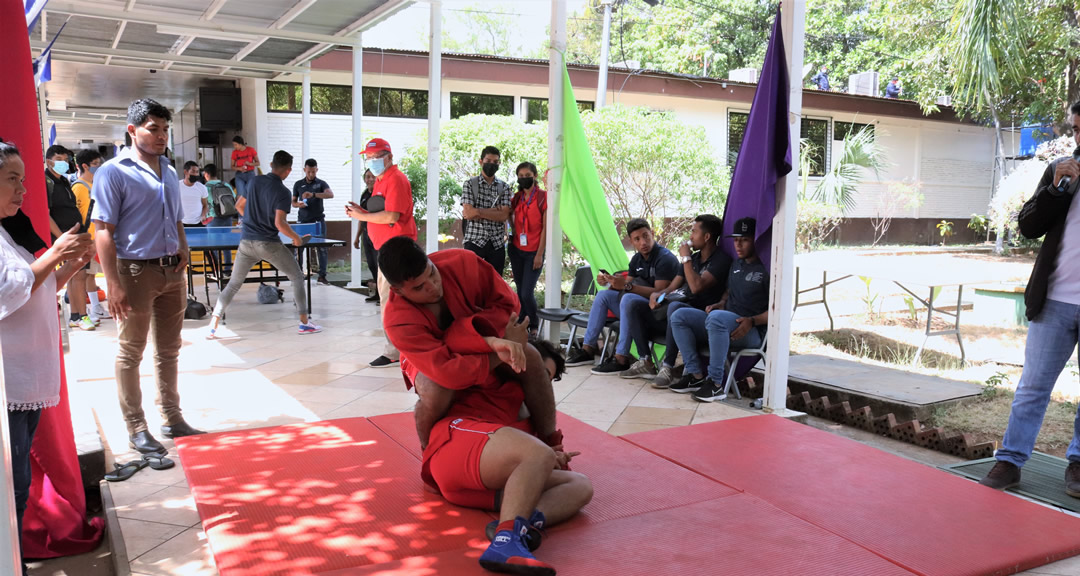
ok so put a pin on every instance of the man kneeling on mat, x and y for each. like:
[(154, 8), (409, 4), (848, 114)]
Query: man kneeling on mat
[(455, 322)]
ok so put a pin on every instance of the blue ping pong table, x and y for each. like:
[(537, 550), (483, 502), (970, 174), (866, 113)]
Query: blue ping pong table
[(214, 241)]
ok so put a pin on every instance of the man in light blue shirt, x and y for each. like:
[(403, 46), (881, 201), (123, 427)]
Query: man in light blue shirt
[(143, 251)]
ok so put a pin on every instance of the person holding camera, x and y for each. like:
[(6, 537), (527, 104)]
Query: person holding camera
[(1053, 308)]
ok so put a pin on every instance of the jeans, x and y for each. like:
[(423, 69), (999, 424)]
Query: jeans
[(494, 255), (605, 301), (323, 253), (158, 299), (691, 327), (251, 252), (371, 255), (525, 279), (671, 347), (243, 182), (223, 222), (23, 424), (1051, 340), (637, 324)]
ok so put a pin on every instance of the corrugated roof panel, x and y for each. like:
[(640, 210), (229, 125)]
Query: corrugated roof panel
[(211, 48), (196, 7), (83, 31), (144, 38), (268, 10), (330, 16), (275, 51)]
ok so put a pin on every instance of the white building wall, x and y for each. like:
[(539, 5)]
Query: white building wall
[(953, 162)]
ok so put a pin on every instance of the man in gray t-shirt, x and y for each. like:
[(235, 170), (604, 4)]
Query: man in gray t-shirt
[(1052, 299)]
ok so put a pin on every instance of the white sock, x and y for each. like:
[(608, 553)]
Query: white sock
[(93, 298)]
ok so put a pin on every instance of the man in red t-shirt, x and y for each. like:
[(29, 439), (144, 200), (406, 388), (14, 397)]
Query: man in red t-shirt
[(455, 320), (390, 214)]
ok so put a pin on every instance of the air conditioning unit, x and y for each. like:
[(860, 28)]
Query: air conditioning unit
[(748, 75), (863, 83), (945, 100)]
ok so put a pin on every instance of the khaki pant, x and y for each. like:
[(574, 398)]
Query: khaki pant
[(158, 298), (384, 296)]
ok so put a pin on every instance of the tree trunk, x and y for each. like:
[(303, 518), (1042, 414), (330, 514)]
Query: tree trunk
[(1073, 82), (999, 160)]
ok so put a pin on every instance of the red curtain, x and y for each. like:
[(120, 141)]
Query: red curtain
[(55, 523)]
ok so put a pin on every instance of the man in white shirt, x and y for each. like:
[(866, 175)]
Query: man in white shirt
[(193, 196)]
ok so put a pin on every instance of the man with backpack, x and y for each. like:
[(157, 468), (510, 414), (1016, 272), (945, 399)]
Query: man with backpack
[(223, 211)]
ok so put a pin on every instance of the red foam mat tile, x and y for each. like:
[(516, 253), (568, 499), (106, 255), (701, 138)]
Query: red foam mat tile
[(736, 536), (924, 519), (316, 497), (626, 479)]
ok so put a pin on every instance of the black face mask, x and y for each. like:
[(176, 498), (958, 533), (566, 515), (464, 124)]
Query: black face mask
[(192, 179), (490, 169), (525, 183)]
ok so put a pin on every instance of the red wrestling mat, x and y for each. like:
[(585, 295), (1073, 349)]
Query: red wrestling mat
[(923, 519), (735, 536), (317, 497), (627, 480)]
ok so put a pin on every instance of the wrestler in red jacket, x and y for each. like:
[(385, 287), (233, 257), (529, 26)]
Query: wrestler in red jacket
[(449, 316)]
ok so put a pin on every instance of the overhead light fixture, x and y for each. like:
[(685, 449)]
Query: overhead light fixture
[(203, 33)]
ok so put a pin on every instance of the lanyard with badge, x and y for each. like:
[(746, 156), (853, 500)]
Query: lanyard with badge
[(523, 237)]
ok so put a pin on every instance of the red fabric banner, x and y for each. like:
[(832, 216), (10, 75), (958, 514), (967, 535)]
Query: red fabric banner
[(55, 523)]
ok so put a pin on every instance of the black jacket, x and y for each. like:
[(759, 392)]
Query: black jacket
[(1044, 214)]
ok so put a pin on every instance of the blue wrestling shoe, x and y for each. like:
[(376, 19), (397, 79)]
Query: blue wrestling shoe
[(535, 530), (508, 553)]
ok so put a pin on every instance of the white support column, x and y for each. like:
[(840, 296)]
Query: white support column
[(357, 160), (305, 115), (605, 50), (553, 247), (44, 118), (434, 118), (783, 236), (9, 526)]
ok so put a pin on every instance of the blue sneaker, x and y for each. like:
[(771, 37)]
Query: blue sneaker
[(508, 553), (309, 328), (535, 532)]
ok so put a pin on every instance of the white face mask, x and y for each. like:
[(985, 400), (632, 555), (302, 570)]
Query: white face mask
[(377, 165)]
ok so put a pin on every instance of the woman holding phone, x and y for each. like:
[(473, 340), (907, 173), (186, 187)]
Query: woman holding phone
[(528, 210)]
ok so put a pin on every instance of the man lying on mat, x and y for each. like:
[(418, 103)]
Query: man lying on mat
[(450, 316)]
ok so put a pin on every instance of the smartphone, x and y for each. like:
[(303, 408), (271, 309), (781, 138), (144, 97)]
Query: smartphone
[(660, 299), (604, 272), (89, 217)]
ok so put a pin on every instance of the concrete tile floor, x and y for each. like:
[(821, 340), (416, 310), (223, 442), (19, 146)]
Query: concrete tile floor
[(263, 374)]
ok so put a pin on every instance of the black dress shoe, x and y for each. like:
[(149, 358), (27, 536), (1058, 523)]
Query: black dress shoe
[(373, 298), (144, 443), (180, 429)]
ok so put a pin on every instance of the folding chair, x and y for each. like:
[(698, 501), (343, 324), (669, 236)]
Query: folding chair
[(583, 286), (733, 363)]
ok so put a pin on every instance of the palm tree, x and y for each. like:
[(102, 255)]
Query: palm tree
[(861, 152)]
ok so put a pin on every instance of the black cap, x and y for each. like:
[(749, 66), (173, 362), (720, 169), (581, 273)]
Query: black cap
[(744, 227)]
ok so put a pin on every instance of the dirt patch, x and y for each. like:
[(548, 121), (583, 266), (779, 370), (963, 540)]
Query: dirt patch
[(987, 418), (873, 346)]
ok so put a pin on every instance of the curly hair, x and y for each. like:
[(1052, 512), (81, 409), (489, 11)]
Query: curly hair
[(547, 350)]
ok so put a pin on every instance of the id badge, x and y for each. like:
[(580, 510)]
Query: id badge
[(523, 240)]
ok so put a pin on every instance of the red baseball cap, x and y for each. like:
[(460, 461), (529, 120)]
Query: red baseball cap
[(376, 145)]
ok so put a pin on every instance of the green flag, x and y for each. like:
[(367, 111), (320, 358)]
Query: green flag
[(583, 208)]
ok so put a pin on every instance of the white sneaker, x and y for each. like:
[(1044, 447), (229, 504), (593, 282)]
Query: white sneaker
[(100, 311)]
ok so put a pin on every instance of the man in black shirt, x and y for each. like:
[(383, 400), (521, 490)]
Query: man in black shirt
[(63, 210), (652, 268), (308, 195), (737, 320)]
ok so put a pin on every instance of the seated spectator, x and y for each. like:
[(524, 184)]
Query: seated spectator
[(737, 321), (701, 281), (652, 268)]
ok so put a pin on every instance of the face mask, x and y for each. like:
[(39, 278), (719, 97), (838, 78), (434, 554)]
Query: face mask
[(490, 169), (60, 167), (525, 183), (192, 179), (377, 165), (93, 168)]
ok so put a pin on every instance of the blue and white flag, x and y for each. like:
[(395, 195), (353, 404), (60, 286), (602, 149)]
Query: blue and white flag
[(33, 10), (43, 68), (52, 135)]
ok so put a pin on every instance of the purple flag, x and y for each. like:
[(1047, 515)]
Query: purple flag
[(765, 154)]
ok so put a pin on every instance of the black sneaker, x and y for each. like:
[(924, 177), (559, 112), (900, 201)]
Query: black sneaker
[(373, 298), (382, 362), (579, 357), (687, 384), (322, 280), (611, 367), (710, 392)]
